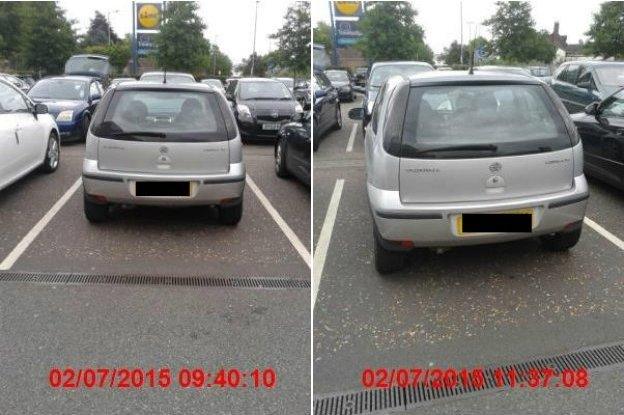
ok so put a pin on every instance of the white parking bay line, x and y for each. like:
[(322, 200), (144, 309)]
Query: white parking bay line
[(322, 246), (23, 245), (602, 231), (292, 237), (352, 137)]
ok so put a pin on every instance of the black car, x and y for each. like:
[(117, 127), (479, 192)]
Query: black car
[(93, 66), (261, 106), (327, 115), (601, 127), (341, 80), (292, 149)]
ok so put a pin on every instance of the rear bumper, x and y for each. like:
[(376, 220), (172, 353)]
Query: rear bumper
[(434, 225), (119, 187)]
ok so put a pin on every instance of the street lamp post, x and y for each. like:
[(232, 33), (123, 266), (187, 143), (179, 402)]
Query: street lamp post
[(109, 24), (253, 55)]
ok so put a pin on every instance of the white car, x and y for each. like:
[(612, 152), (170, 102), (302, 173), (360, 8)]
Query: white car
[(29, 137)]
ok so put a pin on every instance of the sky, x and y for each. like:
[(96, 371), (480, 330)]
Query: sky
[(229, 22), (441, 18)]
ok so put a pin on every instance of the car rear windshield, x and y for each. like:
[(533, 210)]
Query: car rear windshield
[(337, 76), (264, 90), (468, 121), (86, 64), (157, 115), (65, 89), (381, 73), (611, 75)]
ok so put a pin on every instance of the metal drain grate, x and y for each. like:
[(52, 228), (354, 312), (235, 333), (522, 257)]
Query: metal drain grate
[(399, 399), (197, 281)]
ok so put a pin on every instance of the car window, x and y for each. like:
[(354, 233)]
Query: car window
[(614, 106), (11, 100), (561, 73), (377, 108), (611, 75), (586, 76), (93, 89), (231, 88), (322, 80), (65, 89), (264, 90), (572, 73), (381, 73), (516, 119), (179, 115)]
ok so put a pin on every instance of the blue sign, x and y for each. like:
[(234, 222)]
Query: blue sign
[(145, 43), (347, 32)]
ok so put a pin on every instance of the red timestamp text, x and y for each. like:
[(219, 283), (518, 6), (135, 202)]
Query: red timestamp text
[(164, 377), (474, 378)]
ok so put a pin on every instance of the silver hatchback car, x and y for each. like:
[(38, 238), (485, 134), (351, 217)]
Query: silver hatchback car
[(459, 159), (163, 145)]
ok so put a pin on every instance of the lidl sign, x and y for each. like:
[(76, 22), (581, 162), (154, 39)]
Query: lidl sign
[(347, 8), (148, 16)]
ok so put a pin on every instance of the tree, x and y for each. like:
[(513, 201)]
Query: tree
[(321, 34), (389, 32), (220, 64), (606, 33), (451, 55), (294, 39), (180, 45), (12, 20), (98, 31), (260, 65), (48, 39), (514, 38)]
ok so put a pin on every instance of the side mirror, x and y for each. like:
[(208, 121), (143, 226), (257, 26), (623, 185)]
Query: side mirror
[(41, 109), (356, 113), (592, 109), (584, 85), (95, 97), (320, 93)]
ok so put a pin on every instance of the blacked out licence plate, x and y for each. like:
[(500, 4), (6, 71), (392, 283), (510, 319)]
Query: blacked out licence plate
[(488, 222), (163, 189)]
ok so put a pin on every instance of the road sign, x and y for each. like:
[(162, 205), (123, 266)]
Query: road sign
[(347, 8), (149, 16)]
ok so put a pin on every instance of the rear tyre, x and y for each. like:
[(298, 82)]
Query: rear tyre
[(86, 121), (231, 215), (561, 241), (387, 261), (52, 155), (280, 158), (95, 212)]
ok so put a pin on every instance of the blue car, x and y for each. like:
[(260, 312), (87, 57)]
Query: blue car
[(71, 100), (581, 83)]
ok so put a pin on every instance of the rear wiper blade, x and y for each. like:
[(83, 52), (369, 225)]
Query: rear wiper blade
[(139, 133), (466, 147)]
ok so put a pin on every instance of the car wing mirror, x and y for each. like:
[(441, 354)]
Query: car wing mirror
[(356, 113), (320, 93), (593, 108), (41, 109)]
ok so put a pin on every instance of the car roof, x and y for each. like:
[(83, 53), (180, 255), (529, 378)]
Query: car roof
[(71, 78), (257, 80), (197, 86), (89, 55), (595, 63), (385, 63), (453, 77), (168, 73)]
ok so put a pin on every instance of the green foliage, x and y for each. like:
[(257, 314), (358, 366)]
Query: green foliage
[(321, 34), (220, 64), (606, 33), (389, 32), (260, 65), (180, 45), (451, 55), (98, 31), (48, 39), (294, 39), (12, 16), (514, 37)]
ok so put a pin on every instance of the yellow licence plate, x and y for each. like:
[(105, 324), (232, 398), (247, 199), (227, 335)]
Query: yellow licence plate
[(518, 220)]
